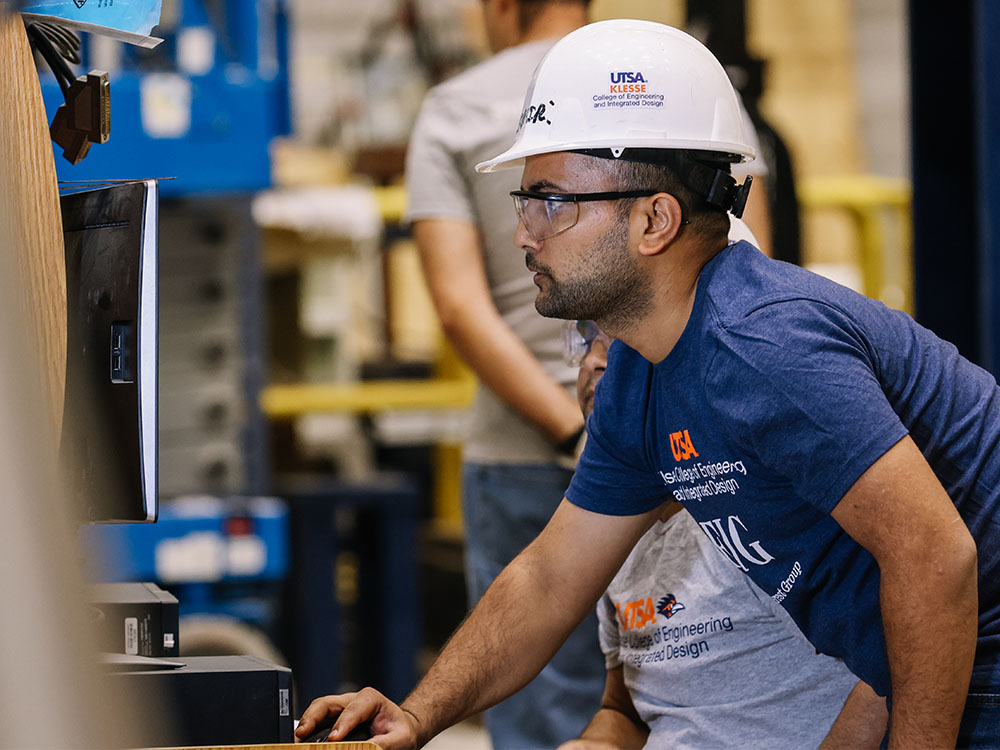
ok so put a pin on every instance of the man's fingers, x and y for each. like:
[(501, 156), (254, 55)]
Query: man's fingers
[(364, 706), (321, 710), (390, 726)]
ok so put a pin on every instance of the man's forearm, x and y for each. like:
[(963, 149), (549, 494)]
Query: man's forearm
[(617, 724), (613, 728), (861, 722), (525, 616), (899, 511), (929, 683), (456, 278), (506, 640), (507, 367)]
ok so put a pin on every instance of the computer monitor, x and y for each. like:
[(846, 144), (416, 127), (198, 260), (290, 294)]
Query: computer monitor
[(108, 445)]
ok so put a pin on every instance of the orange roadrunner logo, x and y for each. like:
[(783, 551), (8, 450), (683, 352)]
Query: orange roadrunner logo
[(668, 606), (641, 612)]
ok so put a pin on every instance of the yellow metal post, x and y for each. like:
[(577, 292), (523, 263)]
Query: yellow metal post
[(866, 199)]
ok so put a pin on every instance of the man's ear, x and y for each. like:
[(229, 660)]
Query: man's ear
[(660, 219)]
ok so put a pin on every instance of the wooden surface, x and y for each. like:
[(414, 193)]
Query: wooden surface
[(34, 230), (45, 655), (291, 746)]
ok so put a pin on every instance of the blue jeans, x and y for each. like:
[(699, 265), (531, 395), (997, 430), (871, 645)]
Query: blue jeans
[(980, 727), (981, 721), (505, 507)]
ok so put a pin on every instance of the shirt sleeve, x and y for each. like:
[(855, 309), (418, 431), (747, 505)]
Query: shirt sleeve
[(436, 186), (796, 385), (607, 632), (615, 475)]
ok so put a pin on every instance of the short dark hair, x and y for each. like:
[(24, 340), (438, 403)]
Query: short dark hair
[(710, 221), (529, 10)]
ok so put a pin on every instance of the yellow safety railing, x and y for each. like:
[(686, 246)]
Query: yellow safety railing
[(867, 199), (452, 387), (366, 397), (391, 201)]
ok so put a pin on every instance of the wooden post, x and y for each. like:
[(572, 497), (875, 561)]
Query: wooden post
[(33, 224)]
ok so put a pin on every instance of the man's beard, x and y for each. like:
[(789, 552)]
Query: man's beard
[(609, 288)]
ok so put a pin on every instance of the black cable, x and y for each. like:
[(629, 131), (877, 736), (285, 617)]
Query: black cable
[(41, 43), (66, 41)]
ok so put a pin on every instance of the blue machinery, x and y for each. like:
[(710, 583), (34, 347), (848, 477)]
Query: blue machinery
[(201, 107), (277, 564)]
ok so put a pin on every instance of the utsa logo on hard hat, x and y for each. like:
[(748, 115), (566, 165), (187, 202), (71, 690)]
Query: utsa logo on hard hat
[(627, 82), (625, 76)]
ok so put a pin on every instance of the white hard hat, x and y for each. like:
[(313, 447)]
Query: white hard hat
[(627, 84)]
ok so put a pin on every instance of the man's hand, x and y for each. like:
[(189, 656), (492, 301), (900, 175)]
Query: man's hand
[(391, 726)]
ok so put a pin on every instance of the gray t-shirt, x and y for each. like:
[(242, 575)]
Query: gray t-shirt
[(463, 121), (708, 658)]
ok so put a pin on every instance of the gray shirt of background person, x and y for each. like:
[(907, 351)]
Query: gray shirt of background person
[(462, 122), (709, 659)]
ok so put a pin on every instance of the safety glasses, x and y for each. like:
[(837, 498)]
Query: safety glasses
[(578, 337), (545, 215)]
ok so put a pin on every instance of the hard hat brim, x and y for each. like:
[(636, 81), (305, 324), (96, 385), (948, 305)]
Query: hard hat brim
[(514, 156)]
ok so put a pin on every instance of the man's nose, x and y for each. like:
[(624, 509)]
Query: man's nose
[(599, 358), (523, 238), (595, 362)]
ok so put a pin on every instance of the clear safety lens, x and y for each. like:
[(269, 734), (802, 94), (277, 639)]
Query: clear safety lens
[(578, 336), (546, 218)]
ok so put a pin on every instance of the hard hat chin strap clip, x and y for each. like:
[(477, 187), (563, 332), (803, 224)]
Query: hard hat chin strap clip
[(716, 186), (740, 196)]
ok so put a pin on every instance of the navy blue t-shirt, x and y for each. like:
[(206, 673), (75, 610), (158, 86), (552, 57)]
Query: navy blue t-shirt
[(783, 389)]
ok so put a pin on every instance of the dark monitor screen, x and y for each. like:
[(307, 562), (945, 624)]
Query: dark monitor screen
[(108, 446)]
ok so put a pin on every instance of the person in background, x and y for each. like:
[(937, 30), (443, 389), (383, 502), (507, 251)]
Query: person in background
[(697, 655), (525, 425)]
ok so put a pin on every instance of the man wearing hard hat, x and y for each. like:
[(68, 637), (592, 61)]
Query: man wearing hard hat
[(832, 449)]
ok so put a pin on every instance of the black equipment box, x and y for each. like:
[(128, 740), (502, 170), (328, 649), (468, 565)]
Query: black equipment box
[(212, 700), (138, 619)]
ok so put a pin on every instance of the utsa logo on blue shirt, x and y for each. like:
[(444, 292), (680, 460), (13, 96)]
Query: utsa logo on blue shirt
[(668, 606)]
